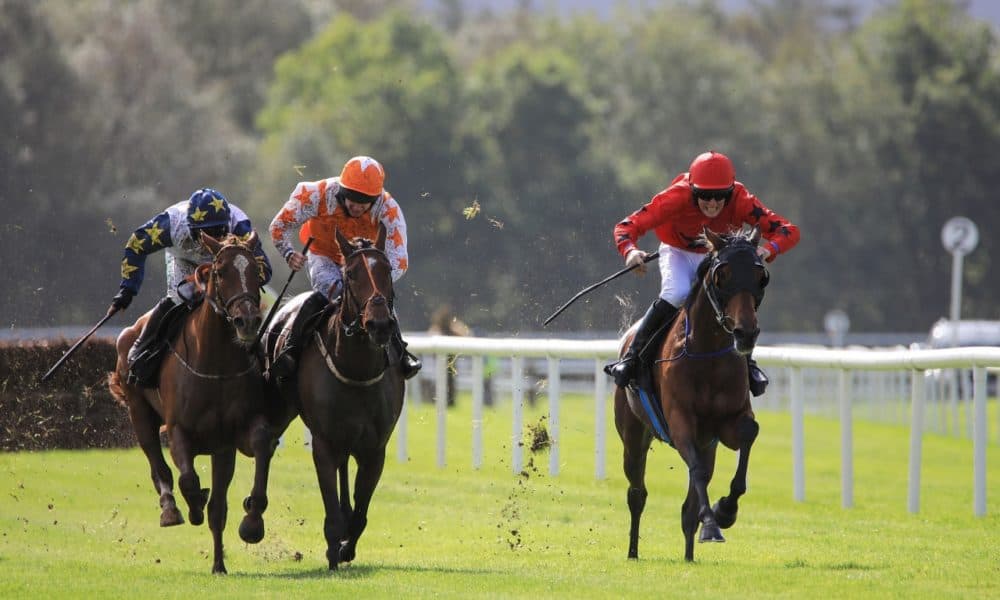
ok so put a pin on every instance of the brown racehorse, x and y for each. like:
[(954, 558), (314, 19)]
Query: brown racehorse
[(701, 379), (210, 396), (348, 393)]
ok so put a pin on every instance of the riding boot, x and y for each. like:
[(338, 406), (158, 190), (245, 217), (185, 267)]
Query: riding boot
[(758, 380), (143, 357), (286, 362), (408, 362), (660, 312)]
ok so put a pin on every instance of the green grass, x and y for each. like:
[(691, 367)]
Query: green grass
[(85, 523)]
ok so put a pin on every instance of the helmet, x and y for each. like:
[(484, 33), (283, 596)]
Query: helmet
[(712, 171), (363, 174), (207, 208)]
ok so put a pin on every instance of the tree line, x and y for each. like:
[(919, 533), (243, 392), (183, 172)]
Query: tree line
[(514, 141)]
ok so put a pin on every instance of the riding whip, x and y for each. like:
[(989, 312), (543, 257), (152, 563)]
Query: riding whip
[(111, 311), (649, 257), (277, 299)]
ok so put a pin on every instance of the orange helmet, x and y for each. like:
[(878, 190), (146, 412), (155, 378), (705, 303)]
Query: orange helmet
[(363, 174), (712, 172)]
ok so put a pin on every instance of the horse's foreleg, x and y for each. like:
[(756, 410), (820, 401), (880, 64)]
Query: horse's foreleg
[(370, 468), (146, 424), (223, 466), (327, 463), (345, 491), (195, 496), (696, 508), (262, 443), (726, 508)]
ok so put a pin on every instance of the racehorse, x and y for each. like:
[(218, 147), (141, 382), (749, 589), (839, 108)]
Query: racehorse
[(701, 379), (210, 396), (346, 390)]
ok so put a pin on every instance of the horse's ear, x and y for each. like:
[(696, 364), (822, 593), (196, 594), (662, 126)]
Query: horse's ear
[(380, 242), (714, 239), (202, 273), (755, 236), (209, 242), (345, 244), (253, 240)]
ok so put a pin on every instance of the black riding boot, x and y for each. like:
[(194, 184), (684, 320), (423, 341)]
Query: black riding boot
[(286, 363), (660, 312), (144, 356), (758, 380), (408, 362)]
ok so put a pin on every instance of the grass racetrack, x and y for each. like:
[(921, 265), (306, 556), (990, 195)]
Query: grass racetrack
[(86, 523)]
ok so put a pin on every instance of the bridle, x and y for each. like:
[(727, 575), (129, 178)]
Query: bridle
[(357, 325), (742, 280), (250, 294)]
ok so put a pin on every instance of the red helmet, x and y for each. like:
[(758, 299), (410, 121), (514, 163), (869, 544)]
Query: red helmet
[(712, 171), (363, 174)]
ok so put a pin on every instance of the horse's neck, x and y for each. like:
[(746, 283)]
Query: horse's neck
[(207, 332), (704, 333)]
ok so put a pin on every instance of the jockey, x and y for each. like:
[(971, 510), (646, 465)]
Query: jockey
[(177, 231), (706, 195), (355, 203)]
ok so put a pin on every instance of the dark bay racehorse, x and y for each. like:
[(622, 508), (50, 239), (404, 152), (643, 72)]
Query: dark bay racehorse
[(347, 392), (701, 380), (210, 396)]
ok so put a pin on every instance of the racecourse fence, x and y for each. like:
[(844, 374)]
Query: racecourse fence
[(897, 385)]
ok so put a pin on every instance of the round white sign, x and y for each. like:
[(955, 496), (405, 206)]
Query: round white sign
[(959, 235), (836, 322)]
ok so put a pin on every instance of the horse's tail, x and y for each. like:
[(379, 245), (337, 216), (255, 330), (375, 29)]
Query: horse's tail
[(115, 386)]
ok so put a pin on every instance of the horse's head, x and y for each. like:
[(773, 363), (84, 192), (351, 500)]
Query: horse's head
[(734, 278), (368, 286), (232, 283)]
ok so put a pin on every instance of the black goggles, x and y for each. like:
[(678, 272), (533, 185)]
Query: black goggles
[(718, 194), (216, 231)]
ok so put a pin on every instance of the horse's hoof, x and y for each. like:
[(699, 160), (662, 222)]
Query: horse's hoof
[(196, 516), (711, 533), (170, 517), (723, 517), (332, 557), (219, 569), (347, 553), (251, 530)]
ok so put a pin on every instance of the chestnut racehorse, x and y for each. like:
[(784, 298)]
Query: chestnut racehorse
[(210, 396), (701, 380)]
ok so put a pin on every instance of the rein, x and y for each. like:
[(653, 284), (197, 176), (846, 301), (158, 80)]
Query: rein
[(253, 365)]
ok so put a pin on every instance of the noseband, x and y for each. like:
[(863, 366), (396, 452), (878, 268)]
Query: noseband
[(739, 281), (222, 306), (358, 324)]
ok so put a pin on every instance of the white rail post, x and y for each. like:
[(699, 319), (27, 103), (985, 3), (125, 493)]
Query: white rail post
[(517, 409), (798, 437), (600, 418), (401, 454), (846, 442), (441, 367), (979, 440), (477, 411), (553, 415), (916, 439)]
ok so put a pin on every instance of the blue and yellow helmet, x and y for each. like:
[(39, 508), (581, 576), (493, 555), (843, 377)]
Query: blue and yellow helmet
[(207, 208)]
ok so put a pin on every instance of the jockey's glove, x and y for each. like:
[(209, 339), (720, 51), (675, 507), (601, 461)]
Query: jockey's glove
[(122, 299)]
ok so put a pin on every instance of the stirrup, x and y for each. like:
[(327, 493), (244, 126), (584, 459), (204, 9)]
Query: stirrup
[(622, 371), (284, 365)]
